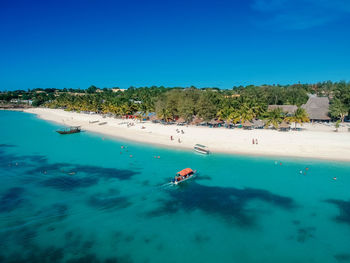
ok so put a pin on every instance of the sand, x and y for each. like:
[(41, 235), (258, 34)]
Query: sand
[(314, 141)]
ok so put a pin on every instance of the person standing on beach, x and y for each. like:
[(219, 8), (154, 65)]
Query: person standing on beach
[(256, 141), (253, 141)]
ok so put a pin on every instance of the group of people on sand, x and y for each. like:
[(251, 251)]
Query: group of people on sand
[(254, 141), (178, 140), (178, 131)]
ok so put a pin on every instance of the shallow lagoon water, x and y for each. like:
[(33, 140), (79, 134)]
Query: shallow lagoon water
[(82, 198)]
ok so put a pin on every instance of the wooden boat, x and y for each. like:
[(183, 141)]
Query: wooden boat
[(102, 123), (201, 149), (183, 176), (69, 130)]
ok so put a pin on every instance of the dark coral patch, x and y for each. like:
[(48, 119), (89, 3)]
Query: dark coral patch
[(227, 202), (37, 159), (53, 213), (344, 210), (24, 237), (4, 145), (201, 238), (203, 177), (57, 255), (108, 201), (89, 170), (305, 233), (69, 176), (69, 183), (107, 173), (89, 258), (296, 222), (11, 199), (343, 257), (38, 165)]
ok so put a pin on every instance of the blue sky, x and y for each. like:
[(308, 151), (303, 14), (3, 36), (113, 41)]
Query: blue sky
[(77, 43)]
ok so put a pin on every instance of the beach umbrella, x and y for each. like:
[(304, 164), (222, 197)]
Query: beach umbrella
[(284, 125), (180, 120), (247, 124), (196, 120), (153, 117), (258, 123)]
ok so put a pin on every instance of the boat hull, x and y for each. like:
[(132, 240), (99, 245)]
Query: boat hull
[(199, 148), (185, 179), (68, 132), (201, 151)]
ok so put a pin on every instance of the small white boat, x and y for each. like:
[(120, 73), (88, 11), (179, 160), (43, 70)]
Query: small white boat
[(201, 149), (183, 176)]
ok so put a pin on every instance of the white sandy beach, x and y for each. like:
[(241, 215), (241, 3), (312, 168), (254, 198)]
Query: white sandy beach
[(314, 141)]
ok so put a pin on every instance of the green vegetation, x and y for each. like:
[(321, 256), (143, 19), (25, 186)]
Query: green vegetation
[(300, 116), (236, 105), (337, 124), (275, 117), (338, 109)]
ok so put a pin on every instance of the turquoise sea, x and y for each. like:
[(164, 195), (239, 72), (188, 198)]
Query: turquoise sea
[(84, 198)]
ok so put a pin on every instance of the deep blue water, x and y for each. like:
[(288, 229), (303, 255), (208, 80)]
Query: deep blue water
[(82, 198)]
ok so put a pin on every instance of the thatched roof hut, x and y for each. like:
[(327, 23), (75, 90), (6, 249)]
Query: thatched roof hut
[(153, 117), (258, 124), (284, 126), (213, 122), (247, 125), (317, 108), (180, 120), (196, 121), (288, 109)]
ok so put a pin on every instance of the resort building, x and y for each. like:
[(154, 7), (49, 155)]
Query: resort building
[(20, 101), (135, 101), (317, 108), (288, 109), (258, 124), (118, 89), (247, 125), (232, 96)]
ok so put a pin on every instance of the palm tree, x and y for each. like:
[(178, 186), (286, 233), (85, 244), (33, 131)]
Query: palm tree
[(224, 113), (338, 109), (235, 116), (106, 108), (164, 114), (274, 117), (300, 116), (246, 113), (124, 110)]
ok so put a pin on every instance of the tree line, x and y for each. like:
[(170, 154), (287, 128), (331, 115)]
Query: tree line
[(236, 105)]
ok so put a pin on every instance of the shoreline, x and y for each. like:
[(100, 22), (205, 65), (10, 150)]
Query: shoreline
[(315, 142)]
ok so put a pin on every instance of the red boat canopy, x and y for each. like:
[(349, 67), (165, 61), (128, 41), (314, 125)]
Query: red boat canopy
[(185, 171)]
